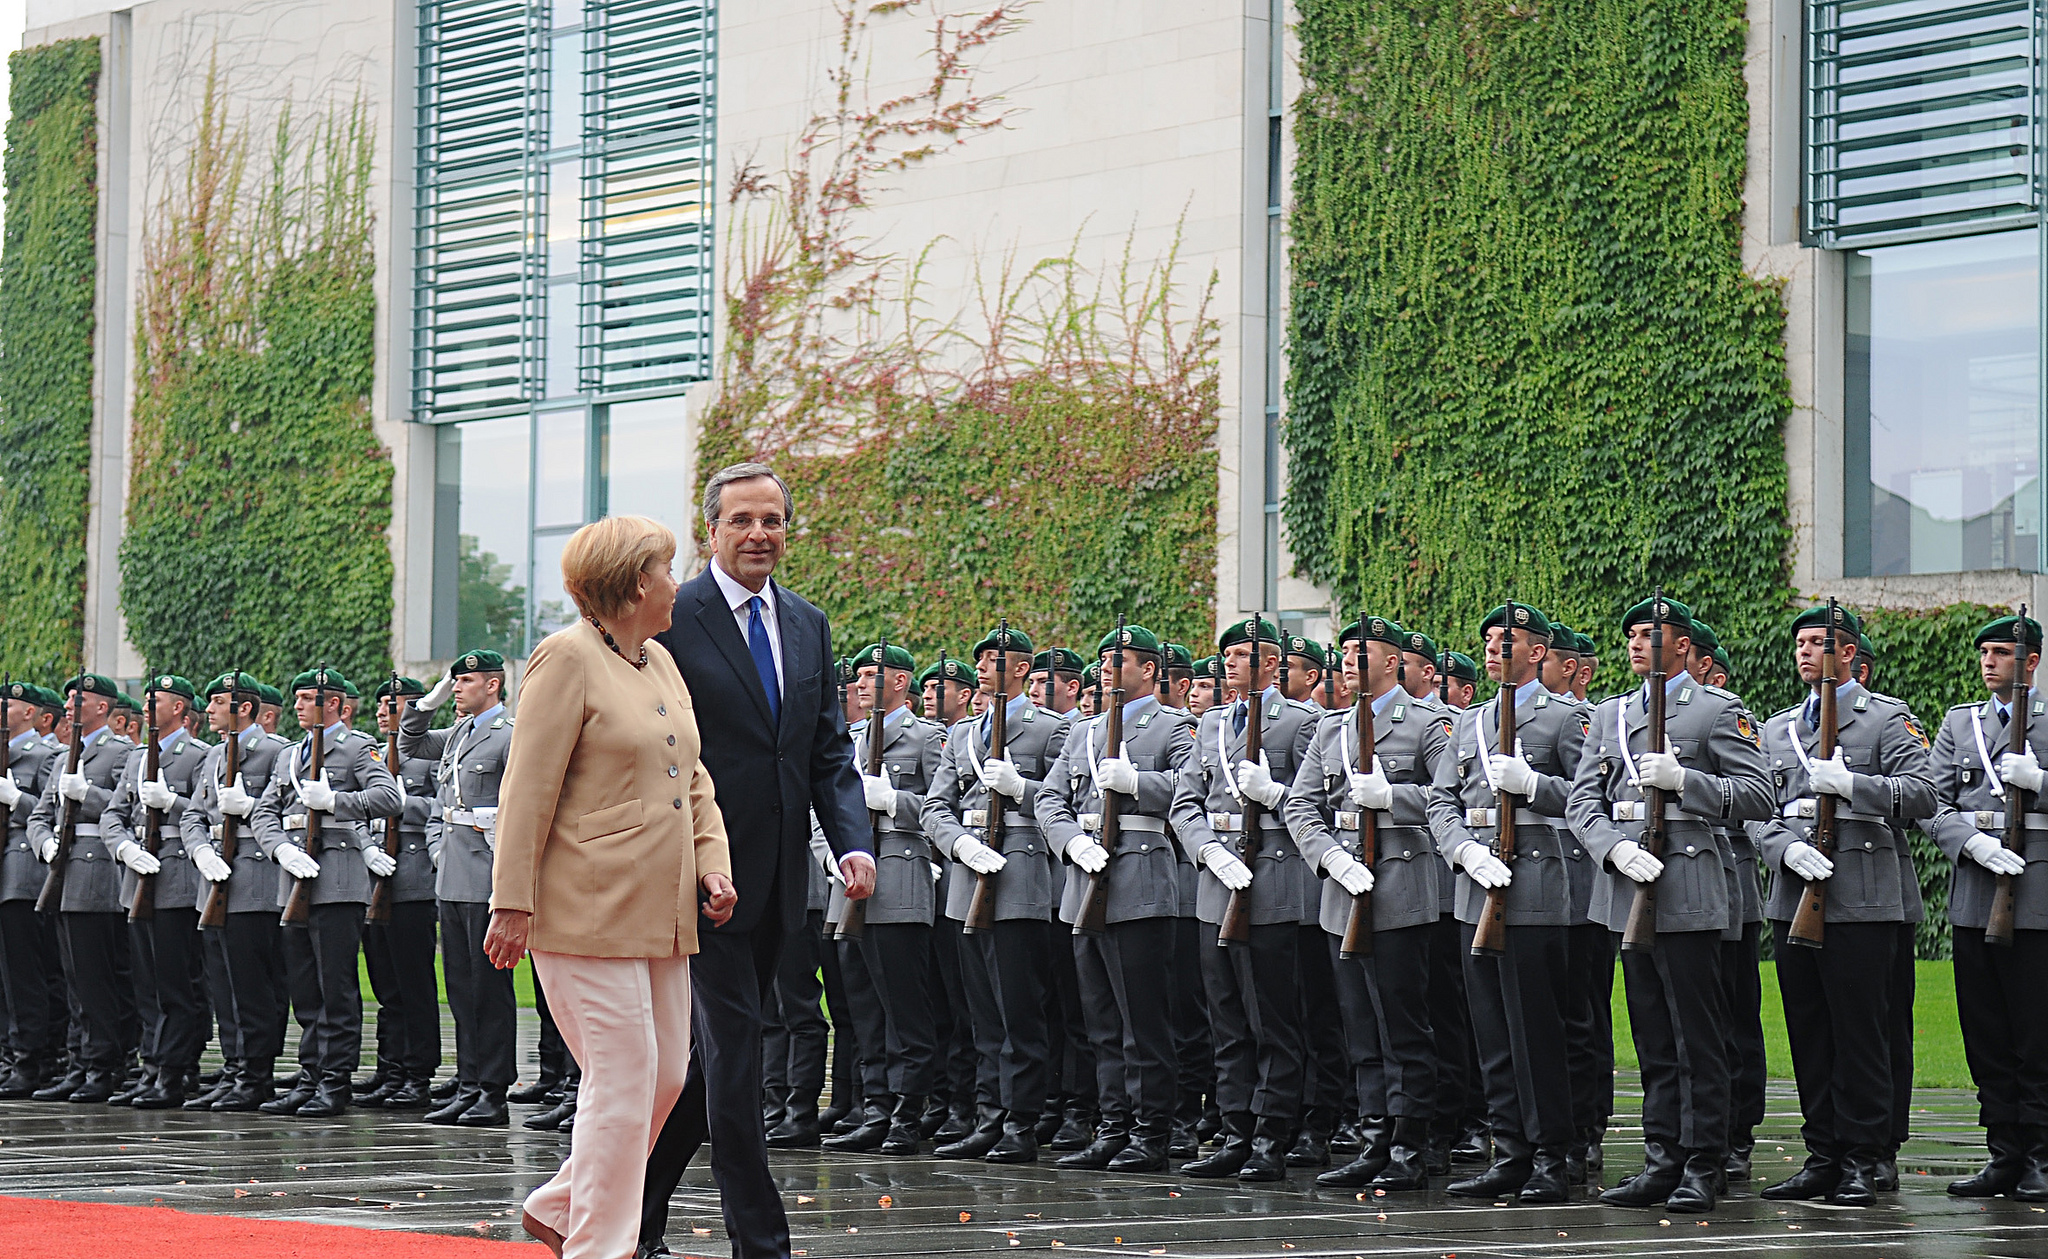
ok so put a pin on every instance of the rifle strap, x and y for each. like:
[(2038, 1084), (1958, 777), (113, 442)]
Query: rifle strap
[(1991, 777)]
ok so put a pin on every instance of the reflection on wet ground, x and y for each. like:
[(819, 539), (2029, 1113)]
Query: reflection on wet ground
[(390, 1171)]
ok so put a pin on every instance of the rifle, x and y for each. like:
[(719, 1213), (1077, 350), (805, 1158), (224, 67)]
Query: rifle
[(1236, 927), (853, 918), (1640, 936), (942, 688), (1358, 927), (52, 896), (1443, 678), (1490, 937), (379, 910), (981, 911), (298, 907), (216, 912), (143, 907), (1998, 929), (1093, 918), (1810, 922)]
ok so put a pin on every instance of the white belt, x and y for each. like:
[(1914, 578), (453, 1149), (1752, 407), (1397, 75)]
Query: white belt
[(86, 830), (1011, 821), (1807, 808), (1092, 823), (1992, 821), (462, 817), (1639, 811), (1523, 817), (1235, 822)]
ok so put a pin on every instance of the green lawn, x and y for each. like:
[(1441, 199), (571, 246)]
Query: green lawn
[(1937, 1037)]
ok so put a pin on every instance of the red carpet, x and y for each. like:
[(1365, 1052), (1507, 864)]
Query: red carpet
[(38, 1229)]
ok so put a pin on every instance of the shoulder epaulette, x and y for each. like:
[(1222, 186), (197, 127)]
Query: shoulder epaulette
[(1958, 708)]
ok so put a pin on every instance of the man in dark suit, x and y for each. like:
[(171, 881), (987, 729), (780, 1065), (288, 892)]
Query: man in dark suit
[(758, 660)]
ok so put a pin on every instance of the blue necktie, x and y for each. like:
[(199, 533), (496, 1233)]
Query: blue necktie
[(1237, 718), (764, 658)]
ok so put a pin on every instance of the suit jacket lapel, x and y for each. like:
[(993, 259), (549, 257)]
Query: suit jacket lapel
[(716, 618), (794, 665)]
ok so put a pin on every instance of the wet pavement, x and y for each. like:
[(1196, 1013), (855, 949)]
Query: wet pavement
[(395, 1171)]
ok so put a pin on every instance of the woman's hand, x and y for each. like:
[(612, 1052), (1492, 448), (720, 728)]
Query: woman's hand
[(505, 941), (722, 898)]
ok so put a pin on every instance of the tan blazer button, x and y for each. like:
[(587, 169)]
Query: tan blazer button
[(679, 804)]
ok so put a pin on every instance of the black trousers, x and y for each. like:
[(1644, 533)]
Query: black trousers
[(889, 984), (142, 974), (1254, 997), (182, 1022), (302, 986), (103, 978), (1397, 979), (985, 1021), (399, 956), (1326, 1090), (1744, 988), (1127, 978), (1518, 1003), (1362, 1028), (1839, 1026), (952, 1028), (256, 961), (1589, 1023), (333, 941), (730, 981), (1460, 1092), (1899, 1003), (31, 979), (2002, 1001), (1105, 1026), (1678, 1016), (846, 1082), (220, 991), (1075, 1074), (479, 997), (796, 1056), (1194, 1056)]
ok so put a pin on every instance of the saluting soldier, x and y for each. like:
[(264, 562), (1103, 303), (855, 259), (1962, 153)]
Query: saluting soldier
[(354, 789), (399, 954), (1715, 776), (1126, 974), (31, 971), (471, 768), (166, 947)]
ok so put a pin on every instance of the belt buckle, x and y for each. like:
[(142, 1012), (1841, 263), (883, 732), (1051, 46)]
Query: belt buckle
[(975, 817), (1226, 821), (1479, 817), (1348, 821), (1808, 808), (1092, 823), (218, 831), (295, 821), (1987, 819)]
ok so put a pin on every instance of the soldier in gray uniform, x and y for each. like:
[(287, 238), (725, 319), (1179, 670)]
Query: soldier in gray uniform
[(30, 965), (1326, 1087), (1836, 1008), (166, 945), (94, 922), (1125, 975), (1252, 988), (1715, 776), (399, 954), (1457, 679), (354, 789), (1056, 687), (1005, 970), (2001, 990), (1383, 996), (888, 969), (470, 758)]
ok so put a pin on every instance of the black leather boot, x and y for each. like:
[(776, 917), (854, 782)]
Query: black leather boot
[(873, 1129), (1268, 1160), (1663, 1168), (1229, 1156), (1405, 1171), (1513, 1160), (445, 1090), (1147, 1150), (1816, 1179), (841, 1107), (1312, 1147), (1019, 1143), (1701, 1185), (379, 1078), (1436, 1151), (535, 1092), (1887, 1178), (1112, 1134), (2008, 1162), (99, 1086), (252, 1089), (978, 1140), (1048, 1127), (1472, 1143), (1376, 1136), (330, 1099), (23, 1078), (1210, 1126), (1076, 1130), (1549, 1180), (135, 1088), (564, 1111), (798, 1130), (2033, 1186), (374, 1098), (223, 1084), (1596, 1150), (1575, 1164), (413, 1094), (1738, 1160), (62, 1086), (938, 1116), (488, 1111), (169, 1091), (451, 1110), (1857, 1185), (1181, 1141), (1345, 1141)]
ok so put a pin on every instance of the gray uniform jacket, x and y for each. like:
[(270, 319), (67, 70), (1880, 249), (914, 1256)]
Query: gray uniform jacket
[(92, 880), (1429, 703), (471, 766), (1144, 870), (1726, 781), (252, 883), (1411, 743), (177, 883), (419, 830), (905, 890), (1965, 805), (1887, 754), (957, 804), (363, 792), (21, 866), (1553, 880), (1206, 808)]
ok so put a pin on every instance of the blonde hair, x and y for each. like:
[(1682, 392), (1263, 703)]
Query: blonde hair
[(602, 564)]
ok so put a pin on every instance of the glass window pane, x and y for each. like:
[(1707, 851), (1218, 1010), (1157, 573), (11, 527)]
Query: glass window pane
[(565, 88), (481, 536), (553, 609), (1942, 458), (647, 470), (560, 483)]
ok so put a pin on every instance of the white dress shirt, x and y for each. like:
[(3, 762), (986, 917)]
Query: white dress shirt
[(736, 596)]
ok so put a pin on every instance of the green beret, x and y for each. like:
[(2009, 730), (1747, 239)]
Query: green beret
[(1242, 633), (246, 683), (26, 692), (174, 684), (1586, 645), (1209, 667), (271, 695), (51, 700), (1704, 637), (1676, 615), (1563, 637), (1863, 648), (1527, 617), (1376, 629), (1091, 676), (1177, 656), (2003, 630), (1136, 638), (323, 679), (477, 662), (1816, 617), (399, 686), (845, 668), (1458, 665), (127, 703), (892, 656), (1417, 643), (93, 684), (1014, 641), (954, 669), (1307, 649), (1058, 659)]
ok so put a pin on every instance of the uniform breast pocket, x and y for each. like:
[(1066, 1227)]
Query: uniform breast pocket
[(1396, 765), (1687, 750), (1145, 760), (902, 769)]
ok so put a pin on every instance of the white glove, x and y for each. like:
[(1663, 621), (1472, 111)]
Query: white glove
[(438, 696), (1371, 791), (434, 856), (136, 857), (1117, 774), (295, 861), (318, 795), (209, 864), (155, 793), (938, 871), (10, 791), (977, 856), (1994, 856), (881, 796), (2021, 770), (1629, 857), (1660, 770), (1832, 776), (1806, 861), (49, 852), (1087, 854), (380, 862), (1003, 776), (235, 798), (1512, 774), (73, 787), (1223, 863), (1487, 870), (1349, 871), (1256, 781)]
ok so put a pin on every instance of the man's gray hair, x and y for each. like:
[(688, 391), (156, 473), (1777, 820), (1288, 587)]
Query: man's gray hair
[(714, 493)]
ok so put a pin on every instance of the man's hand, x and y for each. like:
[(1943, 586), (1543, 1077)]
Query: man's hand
[(295, 862), (1349, 871), (977, 856), (155, 793), (1633, 861), (1660, 770), (73, 787), (235, 798), (1256, 781), (505, 938), (1114, 773), (1223, 863), (209, 864), (1003, 776), (1986, 851), (136, 857), (1806, 861), (10, 791), (380, 863), (1514, 774), (1371, 791), (1832, 776), (858, 869), (1487, 870), (880, 793), (49, 850), (2021, 770), (318, 795), (1090, 856), (434, 699), (720, 898)]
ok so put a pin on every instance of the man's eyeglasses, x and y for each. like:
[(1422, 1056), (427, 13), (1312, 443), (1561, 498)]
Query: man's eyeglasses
[(747, 524)]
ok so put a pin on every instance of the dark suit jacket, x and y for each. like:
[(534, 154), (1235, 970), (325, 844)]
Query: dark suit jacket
[(768, 776)]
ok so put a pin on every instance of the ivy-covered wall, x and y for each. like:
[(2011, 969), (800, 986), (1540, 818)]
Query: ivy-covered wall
[(48, 270)]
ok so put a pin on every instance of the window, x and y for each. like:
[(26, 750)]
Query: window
[(647, 469), (481, 536)]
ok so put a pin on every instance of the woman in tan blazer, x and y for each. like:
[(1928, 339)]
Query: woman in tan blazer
[(607, 831)]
